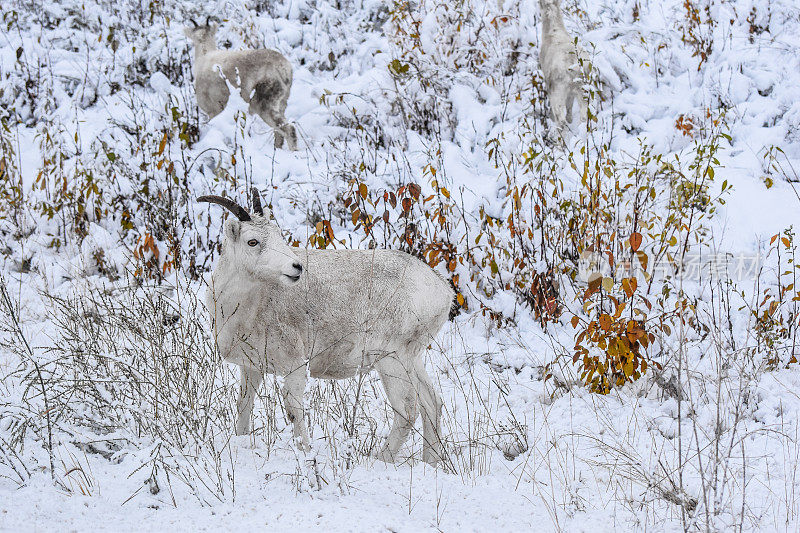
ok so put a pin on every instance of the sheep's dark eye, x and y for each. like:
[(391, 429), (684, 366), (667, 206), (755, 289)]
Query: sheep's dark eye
[(252, 242)]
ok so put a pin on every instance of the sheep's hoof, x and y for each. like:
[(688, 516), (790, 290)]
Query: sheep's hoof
[(301, 445), (432, 457), (313, 476), (385, 456)]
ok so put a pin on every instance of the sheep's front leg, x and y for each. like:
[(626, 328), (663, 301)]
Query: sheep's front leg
[(294, 386), (248, 386)]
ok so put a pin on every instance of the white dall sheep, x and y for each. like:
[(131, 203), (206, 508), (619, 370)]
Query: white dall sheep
[(327, 314), (264, 77), (558, 59)]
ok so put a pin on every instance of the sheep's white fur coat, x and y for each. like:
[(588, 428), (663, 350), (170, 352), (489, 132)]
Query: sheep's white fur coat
[(558, 59), (350, 311), (263, 76)]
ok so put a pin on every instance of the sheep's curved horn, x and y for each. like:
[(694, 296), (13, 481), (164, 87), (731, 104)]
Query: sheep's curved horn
[(194, 23), (240, 212), (257, 209), (208, 20)]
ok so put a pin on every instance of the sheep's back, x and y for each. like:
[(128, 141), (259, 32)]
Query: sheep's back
[(377, 297), (251, 66)]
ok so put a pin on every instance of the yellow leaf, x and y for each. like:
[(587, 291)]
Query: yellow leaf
[(608, 284), (626, 286), (613, 348), (642, 259), (628, 367)]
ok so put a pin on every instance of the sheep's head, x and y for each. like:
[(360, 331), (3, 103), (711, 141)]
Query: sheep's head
[(201, 34), (254, 243)]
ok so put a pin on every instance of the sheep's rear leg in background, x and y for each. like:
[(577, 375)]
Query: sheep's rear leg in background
[(278, 112), (559, 97), (269, 102), (294, 387), (399, 383), (248, 386), (282, 129), (290, 134)]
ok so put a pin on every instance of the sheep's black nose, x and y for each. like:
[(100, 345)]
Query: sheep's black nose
[(298, 267)]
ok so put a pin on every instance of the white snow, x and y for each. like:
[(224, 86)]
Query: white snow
[(591, 463)]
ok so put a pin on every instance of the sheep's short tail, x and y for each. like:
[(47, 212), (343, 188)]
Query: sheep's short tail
[(455, 306)]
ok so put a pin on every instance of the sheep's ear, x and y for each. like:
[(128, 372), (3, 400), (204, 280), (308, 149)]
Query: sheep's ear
[(187, 31), (214, 28), (233, 228)]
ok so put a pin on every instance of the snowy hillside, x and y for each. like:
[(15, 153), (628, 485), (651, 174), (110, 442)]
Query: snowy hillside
[(625, 352)]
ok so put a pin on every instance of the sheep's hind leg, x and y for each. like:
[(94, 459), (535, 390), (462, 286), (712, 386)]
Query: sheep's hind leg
[(279, 116), (263, 101), (248, 386), (276, 130), (431, 407), (399, 385), (283, 130), (559, 96), (291, 136)]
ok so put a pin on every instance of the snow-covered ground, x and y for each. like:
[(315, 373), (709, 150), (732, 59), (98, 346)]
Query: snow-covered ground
[(98, 112)]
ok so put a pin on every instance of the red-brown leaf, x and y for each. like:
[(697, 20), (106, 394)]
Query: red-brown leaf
[(635, 240)]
